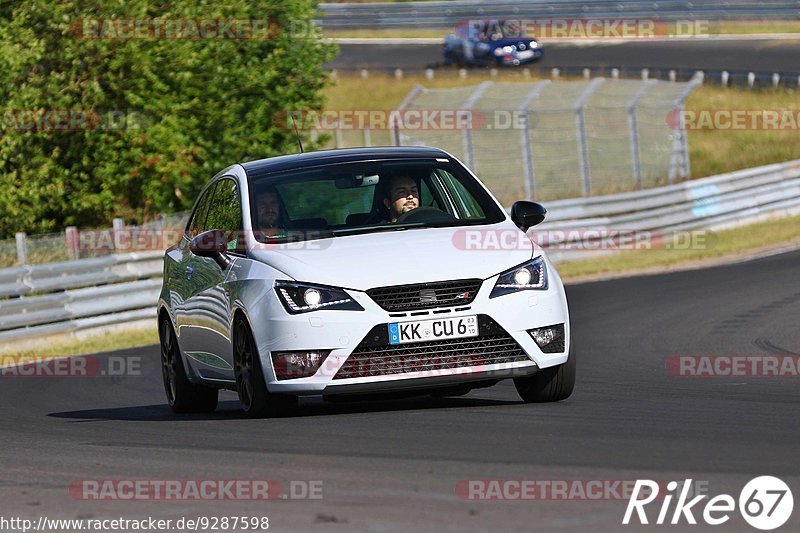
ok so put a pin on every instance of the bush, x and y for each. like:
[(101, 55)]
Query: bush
[(134, 127)]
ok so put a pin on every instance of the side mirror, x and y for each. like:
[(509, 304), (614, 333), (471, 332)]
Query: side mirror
[(212, 243), (527, 214)]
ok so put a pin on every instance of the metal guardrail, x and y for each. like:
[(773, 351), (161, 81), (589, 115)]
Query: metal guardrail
[(77, 295), (712, 203), (446, 13)]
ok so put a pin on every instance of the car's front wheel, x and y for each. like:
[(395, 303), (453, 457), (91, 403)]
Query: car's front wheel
[(256, 400), (549, 384), (183, 396)]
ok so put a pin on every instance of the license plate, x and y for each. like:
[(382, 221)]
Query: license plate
[(433, 329), (524, 54)]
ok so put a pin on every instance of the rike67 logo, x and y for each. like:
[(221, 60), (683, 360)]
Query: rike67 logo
[(765, 503)]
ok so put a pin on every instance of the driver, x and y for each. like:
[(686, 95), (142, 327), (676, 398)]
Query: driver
[(401, 196)]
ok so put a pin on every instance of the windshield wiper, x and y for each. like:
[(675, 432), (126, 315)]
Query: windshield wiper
[(375, 228)]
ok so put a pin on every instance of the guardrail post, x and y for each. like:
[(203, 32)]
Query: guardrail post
[(580, 123), (73, 244), (22, 248)]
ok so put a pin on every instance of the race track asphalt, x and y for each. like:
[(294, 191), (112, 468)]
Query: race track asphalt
[(395, 465), (751, 55)]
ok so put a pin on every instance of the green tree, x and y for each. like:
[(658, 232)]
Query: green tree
[(164, 114)]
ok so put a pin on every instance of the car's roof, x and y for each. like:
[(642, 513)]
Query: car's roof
[(261, 167)]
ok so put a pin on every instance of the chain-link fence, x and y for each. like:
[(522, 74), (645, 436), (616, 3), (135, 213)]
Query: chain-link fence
[(548, 140), (561, 139)]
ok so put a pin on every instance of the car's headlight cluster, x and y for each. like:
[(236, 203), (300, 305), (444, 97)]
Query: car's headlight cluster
[(527, 276), (304, 298), (504, 50)]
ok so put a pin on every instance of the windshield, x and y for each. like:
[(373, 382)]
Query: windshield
[(355, 198)]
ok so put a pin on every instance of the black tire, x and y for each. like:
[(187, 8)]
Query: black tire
[(183, 396), (256, 400), (549, 384)]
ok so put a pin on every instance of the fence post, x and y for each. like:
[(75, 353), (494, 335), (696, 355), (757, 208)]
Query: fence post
[(395, 121), (580, 123), (22, 248), (118, 226), (527, 146), (73, 244), (633, 130), (466, 132), (679, 165), (337, 133)]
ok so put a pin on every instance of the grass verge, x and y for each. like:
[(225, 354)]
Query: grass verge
[(719, 246), (62, 345)]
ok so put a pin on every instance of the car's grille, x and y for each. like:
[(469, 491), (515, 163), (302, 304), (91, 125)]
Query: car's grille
[(426, 295), (376, 357)]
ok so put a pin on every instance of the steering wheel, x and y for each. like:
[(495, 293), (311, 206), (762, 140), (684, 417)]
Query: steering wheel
[(425, 214)]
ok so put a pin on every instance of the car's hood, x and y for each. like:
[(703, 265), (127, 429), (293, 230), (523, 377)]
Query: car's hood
[(401, 257)]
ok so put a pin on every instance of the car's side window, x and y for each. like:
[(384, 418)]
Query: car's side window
[(198, 223), (466, 203), (225, 212)]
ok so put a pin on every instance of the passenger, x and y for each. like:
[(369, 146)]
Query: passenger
[(268, 206)]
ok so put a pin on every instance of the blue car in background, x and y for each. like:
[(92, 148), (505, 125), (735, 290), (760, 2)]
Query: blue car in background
[(490, 43)]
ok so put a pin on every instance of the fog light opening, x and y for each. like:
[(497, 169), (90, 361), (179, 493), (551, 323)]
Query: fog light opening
[(293, 365), (550, 339)]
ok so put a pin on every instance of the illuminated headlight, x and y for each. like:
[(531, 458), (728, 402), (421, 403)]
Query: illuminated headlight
[(528, 276), (534, 45), (503, 51), (312, 297), (304, 298)]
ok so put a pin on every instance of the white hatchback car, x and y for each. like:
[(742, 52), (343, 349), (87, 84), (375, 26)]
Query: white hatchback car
[(347, 273)]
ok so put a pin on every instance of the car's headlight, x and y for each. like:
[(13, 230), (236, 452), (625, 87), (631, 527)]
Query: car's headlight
[(304, 298), (534, 45), (527, 276)]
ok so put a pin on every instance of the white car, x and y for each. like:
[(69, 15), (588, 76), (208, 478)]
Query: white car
[(346, 273)]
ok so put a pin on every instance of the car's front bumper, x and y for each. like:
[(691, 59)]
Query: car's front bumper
[(343, 332), (522, 57)]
